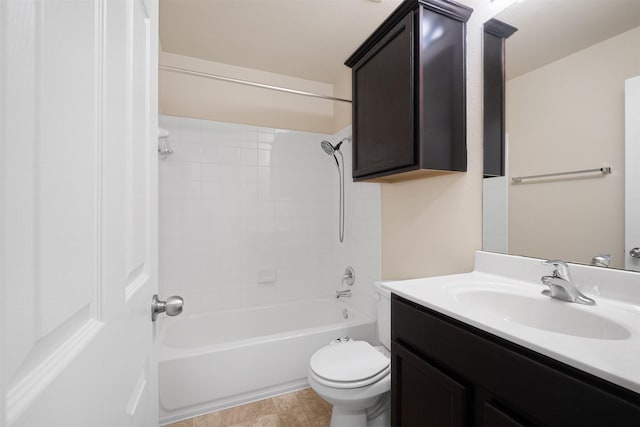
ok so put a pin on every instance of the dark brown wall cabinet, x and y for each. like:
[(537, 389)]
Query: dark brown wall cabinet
[(495, 34), (409, 106), (447, 373)]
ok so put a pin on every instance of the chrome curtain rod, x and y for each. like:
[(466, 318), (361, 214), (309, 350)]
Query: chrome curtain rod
[(604, 170), (248, 83)]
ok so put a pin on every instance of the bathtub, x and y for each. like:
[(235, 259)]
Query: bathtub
[(213, 361)]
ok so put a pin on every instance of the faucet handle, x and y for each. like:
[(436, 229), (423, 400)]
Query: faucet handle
[(561, 268), (555, 262), (349, 276)]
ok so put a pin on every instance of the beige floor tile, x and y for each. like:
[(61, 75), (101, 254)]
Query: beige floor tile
[(307, 393), (247, 413), (303, 408), (271, 420), (312, 399), (209, 420), (317, 410), (317, 415), (320, 422), (294, 419), (285, 402), (291, 410)]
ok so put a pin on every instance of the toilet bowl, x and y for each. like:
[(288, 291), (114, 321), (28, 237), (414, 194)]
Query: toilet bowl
[(355, 377)]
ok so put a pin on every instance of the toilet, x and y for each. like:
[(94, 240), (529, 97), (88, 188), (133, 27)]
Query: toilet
[(354, 376)]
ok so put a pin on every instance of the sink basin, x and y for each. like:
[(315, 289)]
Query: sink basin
[(540, 312)]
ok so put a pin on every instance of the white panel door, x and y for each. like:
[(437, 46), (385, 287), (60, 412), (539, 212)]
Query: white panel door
[(632, 173), (78, 255)]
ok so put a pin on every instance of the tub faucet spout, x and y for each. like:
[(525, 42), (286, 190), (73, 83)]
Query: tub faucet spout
[(343, 294)]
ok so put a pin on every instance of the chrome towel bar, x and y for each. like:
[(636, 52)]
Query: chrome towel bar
[(604, 170)]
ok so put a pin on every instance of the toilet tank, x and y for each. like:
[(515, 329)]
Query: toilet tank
[(383, 310)]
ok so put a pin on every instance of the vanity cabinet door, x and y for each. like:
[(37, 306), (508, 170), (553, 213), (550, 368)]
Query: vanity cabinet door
[(492, 416), (422, 395), (383, 118)]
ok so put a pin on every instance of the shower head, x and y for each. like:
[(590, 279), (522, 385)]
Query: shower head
[(330, 149)]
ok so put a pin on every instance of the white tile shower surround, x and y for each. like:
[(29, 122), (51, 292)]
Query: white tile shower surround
[(249, 216)]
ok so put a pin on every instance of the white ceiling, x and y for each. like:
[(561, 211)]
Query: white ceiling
[(309, 39), (552, 29)]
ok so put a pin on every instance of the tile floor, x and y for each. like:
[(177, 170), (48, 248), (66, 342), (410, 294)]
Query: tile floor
[(302, 408)]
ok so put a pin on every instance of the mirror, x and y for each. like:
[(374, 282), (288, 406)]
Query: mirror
[(566, 68)]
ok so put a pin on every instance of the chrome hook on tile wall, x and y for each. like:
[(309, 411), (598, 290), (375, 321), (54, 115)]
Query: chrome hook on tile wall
[(163, 143)]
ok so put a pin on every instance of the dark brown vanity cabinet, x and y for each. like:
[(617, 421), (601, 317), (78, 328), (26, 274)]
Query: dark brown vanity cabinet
[(409, 104), (493, 46), (447, 373)]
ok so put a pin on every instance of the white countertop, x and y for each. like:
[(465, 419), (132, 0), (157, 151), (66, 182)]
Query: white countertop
[(532, 320)]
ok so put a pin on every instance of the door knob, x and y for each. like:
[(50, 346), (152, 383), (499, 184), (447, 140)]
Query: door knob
[(172, 306), (635, 253)]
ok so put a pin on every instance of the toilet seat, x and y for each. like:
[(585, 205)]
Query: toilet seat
[(349, 365)]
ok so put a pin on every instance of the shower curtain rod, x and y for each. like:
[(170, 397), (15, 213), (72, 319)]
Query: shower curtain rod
[(249, 83)]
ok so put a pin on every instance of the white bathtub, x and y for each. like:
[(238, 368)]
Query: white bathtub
[(212, 361)]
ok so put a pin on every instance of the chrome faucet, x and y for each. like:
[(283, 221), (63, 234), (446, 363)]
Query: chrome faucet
[(346, 293), (561, 285)]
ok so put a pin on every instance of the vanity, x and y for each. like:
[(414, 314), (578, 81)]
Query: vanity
[(487, 348)]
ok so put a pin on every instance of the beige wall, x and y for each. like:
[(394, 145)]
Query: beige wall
[(204, 98), (433, 226), (342, 110), (569, 115)]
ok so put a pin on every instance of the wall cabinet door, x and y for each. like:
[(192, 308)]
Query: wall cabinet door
[(409, 94), (383, 120)]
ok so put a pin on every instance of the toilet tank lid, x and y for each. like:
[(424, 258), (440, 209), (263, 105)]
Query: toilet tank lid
[(348, 361)]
